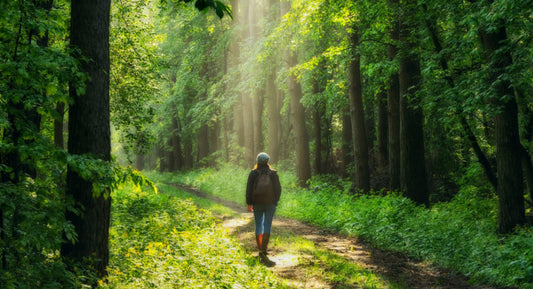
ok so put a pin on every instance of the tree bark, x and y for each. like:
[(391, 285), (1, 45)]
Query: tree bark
[(382, 131), (347, 142), (393, 107), (274, 118), (508, 147), (360, 142), (177, 152), (301, 139), (319, 111), (257, 115), (528, 173), (58, 126), (255, 13), (89, 132), (188, 159), (317, 120), (238, 123), (203, 143), (412, 152), (482, 159)]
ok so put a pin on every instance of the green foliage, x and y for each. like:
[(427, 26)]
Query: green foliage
[(460, 234), (228, 182), (343, 273), (35, 70), (33, 211), (220, 8), (160, 241), (135, 73), (31, 240)]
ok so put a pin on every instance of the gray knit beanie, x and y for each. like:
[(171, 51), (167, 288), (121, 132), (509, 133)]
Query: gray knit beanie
[(262, 159)]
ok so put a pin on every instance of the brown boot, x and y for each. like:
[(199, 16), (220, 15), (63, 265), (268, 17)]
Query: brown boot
[(263, 252), (259, 240)]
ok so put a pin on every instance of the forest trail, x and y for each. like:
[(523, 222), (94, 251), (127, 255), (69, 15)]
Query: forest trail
[(302, 270)]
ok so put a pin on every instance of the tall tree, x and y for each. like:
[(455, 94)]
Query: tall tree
[(412, 152), (89, 132), (301, 138), (246, 97), (382, 130), (238, 114), (393, 102), (255, 13), (360, 141), (273, 93), (508, 148), (347, 142)]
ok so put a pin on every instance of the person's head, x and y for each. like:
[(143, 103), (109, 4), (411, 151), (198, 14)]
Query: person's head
[(262, 160)]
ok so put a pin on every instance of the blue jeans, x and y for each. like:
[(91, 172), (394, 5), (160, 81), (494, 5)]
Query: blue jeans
[(263, 218)]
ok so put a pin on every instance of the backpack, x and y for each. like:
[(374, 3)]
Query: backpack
[(264, 189)]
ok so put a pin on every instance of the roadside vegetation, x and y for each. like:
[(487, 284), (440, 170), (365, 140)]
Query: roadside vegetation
[(459, 235), (310, 265), (159, 240)]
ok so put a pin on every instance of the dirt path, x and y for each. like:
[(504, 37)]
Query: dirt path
[(394, 268)]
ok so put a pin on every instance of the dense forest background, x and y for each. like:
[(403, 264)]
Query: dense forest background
[(426, 98), (420, 97)]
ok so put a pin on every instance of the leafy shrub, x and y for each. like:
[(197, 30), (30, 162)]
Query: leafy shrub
[(32, 216)]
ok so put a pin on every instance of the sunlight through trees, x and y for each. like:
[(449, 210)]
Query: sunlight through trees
[(427, 99)]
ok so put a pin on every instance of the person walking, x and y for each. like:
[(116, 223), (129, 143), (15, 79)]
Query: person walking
[(263, 191)]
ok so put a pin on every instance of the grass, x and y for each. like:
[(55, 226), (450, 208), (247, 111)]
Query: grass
[(321, 265), (164, 241), (459, 235), (308, 264)]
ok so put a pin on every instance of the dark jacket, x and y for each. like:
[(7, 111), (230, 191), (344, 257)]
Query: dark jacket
[(251, 181)]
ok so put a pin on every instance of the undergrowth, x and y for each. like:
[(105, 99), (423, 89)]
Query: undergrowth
[(459, 235), (160, 241)]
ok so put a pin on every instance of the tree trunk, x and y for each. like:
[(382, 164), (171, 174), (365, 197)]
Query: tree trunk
[(301, 140), (248, 129), (255, 13), (238, 118), (527, 129), (482, 159), (89, 132), (58, 126), (177, 152), (347, 142), (272, 93), (170, 161), (257, 116), (508, 147), (3, 257), (528, 173), (382, 133), (214, 139), (360, 142), (413, 171), (188, 159), (274, 118), (11, 159), (317, 120), (393, 106), (161, 154), (203, 143)]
